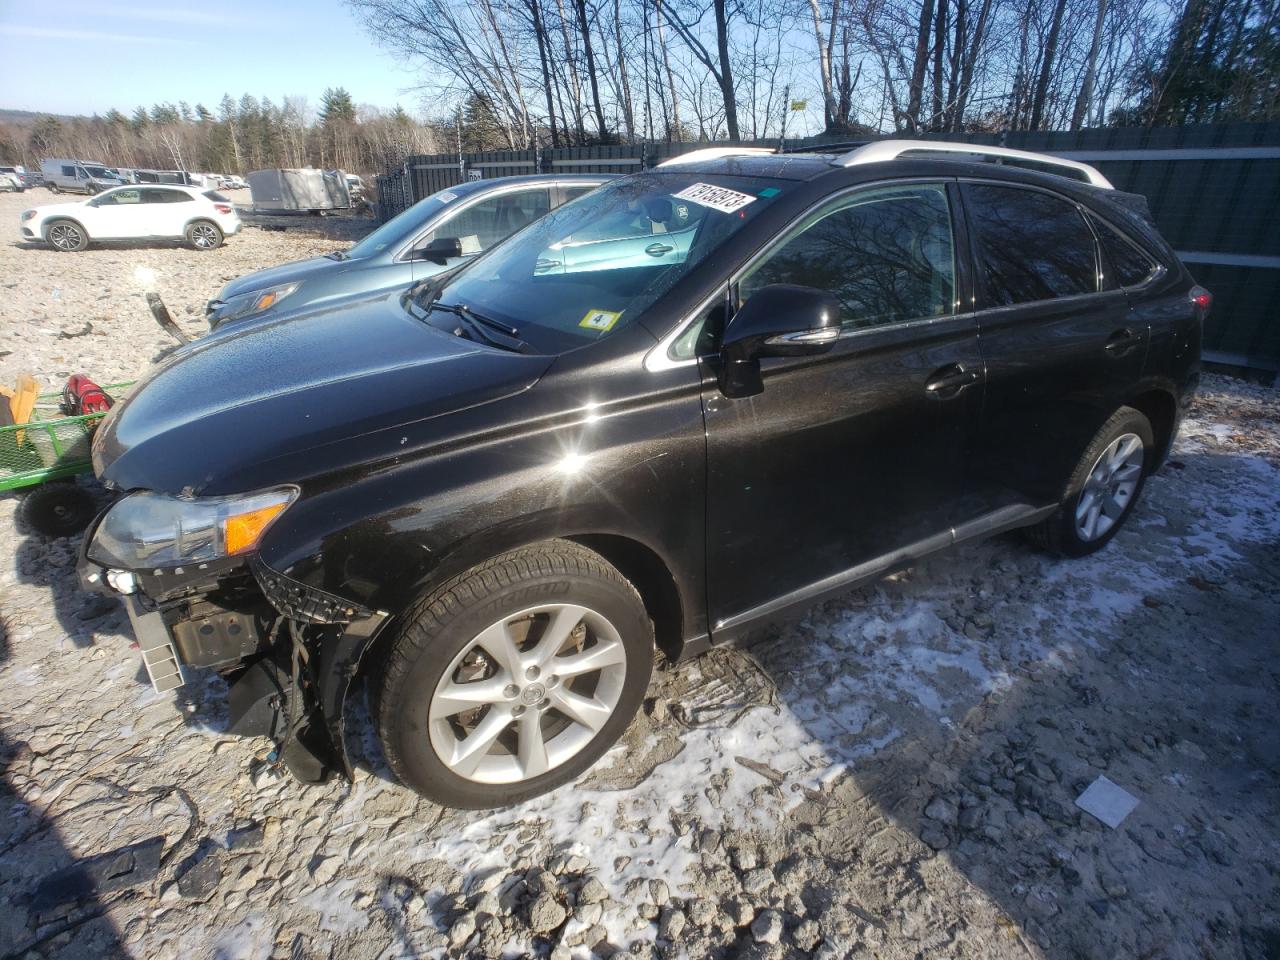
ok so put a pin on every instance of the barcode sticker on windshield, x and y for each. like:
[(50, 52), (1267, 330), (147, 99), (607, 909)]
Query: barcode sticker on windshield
[(600, 319), (717, 198), (446, 197)]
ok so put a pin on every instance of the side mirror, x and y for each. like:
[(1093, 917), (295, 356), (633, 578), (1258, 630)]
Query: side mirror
[(780, 320), (440, 250)]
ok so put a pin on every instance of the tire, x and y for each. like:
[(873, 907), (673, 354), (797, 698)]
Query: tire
[(58, 509), (66, 236), (1103, 489), (556, 591), (53, 188), (204, 235)]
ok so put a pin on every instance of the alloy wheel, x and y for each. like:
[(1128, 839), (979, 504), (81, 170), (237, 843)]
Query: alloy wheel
[(1110, 487), (64, 236), (204, 236), (527, 694)]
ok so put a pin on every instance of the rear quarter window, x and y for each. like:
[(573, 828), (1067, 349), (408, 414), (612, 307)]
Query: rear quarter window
[(1030, 245), (215, 196), (1125, 265)]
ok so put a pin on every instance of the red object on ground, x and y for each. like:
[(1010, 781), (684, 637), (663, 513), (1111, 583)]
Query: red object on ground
[(81, 396)]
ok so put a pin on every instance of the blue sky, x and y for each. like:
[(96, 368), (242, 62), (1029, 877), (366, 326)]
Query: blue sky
[(82, 56)]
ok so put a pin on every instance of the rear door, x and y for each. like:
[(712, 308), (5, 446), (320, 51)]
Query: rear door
[(1062, 351), (852, 456), (168, 211)]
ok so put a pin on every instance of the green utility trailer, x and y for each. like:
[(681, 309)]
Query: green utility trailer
[(45, 454)]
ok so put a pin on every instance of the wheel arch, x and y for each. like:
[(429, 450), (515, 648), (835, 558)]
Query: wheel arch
[(47, 224), (652, 578), (1161, 408), (199, 218)]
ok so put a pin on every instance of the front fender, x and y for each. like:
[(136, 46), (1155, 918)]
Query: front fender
[(633, 469)]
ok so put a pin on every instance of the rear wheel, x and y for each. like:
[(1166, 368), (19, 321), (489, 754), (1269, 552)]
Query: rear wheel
[(67, 236), (1103, 488), (204, 235), (514, 677)]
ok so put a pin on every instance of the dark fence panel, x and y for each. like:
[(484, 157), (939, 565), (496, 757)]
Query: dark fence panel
[(1214, 191)]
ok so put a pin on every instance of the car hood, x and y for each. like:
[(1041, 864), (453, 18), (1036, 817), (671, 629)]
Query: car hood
[(301, 396), (285, 273)]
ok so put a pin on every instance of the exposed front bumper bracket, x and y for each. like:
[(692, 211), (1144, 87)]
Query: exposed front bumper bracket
[(158, 654)]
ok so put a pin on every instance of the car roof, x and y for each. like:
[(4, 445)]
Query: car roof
[(185, 188), (473, 186), (780, 166)]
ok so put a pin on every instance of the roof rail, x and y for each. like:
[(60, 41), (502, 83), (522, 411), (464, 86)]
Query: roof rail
[(715, 153), (882, 150)]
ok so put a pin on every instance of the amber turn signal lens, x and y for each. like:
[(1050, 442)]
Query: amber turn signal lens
[(264, 301), (243, 531)]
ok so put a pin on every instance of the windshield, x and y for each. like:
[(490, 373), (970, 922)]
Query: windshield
[(394, 230), (594, 265), (99, 172)]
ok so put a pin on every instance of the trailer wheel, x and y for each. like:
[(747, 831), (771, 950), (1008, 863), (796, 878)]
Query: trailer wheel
[(58, 509)]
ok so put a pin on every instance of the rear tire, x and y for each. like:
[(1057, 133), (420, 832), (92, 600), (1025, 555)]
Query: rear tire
[(1103, 489), (204, 235), (66, 236), (58, 509), (487, 655)]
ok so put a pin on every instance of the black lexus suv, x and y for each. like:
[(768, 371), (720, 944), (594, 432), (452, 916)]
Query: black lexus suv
[(662, 416)]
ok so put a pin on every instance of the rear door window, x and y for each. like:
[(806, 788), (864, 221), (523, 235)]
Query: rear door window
[(1030, 245), (886, 254), (1124, 265)]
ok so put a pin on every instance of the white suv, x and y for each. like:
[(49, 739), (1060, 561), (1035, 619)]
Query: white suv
[(201, 217)]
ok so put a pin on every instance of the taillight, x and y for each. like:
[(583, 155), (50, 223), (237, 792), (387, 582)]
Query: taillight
[(222, 207), (1202, 298)]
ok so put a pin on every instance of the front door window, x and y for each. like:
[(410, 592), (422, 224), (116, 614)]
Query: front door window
[(886, 254)]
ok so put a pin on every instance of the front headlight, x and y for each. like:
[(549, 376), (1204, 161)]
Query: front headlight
[(151, 530), (247, 304)]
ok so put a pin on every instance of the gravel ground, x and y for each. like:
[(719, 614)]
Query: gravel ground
[(893, 776)]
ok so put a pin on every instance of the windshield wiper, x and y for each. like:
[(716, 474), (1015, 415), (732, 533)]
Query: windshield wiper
[(338, 255), (462, 308), (480, 324), (472, 326)]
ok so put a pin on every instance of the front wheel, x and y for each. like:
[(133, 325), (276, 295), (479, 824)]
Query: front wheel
[(1103, 488), (204, 235), (67, 236), (514, 677)]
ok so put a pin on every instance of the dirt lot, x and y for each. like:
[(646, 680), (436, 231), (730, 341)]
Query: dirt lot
[(892, 777)]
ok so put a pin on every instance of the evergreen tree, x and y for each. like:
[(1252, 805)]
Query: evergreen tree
[(336, 106)]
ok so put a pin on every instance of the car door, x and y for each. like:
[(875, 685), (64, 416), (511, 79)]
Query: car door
[(1062, 352), (168, 211), (115, 215), (481, 224), (852, 460)]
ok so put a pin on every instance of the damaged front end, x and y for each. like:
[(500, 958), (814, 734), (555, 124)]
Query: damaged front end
[(287, 650)]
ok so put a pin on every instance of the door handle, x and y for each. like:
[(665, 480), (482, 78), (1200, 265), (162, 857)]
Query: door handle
[(1122, 341), (658, 249), (949, 381)]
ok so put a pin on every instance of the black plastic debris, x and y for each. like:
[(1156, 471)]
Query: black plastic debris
[(90, 878)]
